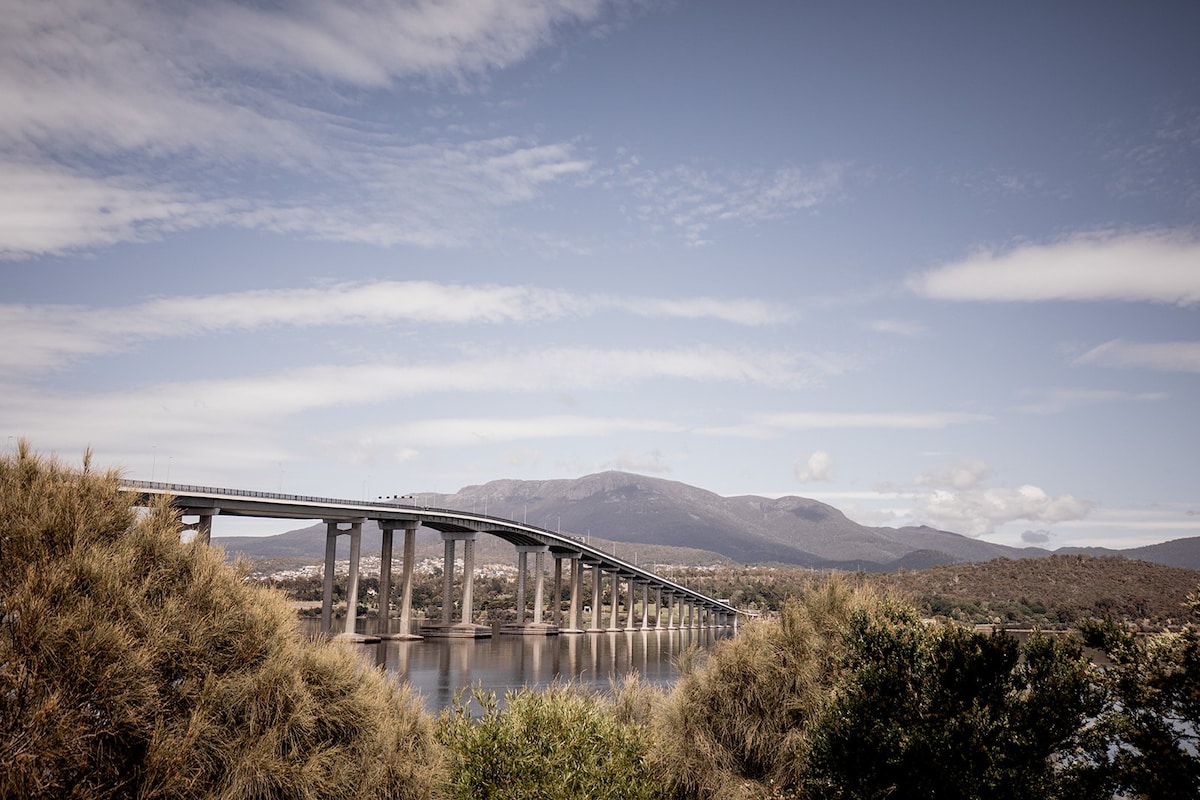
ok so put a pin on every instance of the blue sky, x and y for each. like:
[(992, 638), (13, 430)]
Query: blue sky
[(928, 262)]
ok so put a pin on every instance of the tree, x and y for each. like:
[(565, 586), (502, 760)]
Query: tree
[(134, 665), (1146, 742), (944, 711)]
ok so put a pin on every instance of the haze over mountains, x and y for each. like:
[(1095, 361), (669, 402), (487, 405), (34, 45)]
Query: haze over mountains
[(657, 516)]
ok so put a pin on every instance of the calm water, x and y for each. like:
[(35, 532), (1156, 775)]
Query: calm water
[(438, 668)]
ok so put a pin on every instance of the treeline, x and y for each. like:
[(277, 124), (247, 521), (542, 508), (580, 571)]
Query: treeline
[(134, 665), (1056, 592)]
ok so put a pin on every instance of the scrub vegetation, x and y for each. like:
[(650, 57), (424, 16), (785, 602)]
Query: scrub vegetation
[(134, 665)]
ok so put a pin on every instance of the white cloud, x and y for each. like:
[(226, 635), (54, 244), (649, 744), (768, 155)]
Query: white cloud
[(1039, 537), (817, 468), (964, 474), (48, 209), (767, 425), (54, 335), (977, 512), (1165, 356), (1157, 267)]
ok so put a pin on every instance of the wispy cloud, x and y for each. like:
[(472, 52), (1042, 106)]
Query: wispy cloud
[(767, 425), (110, 106), (692, 201), (248, 406), (1157, 267), (1056, 401), (54, 335), (472, 431), (899, 327), (1165, 356)]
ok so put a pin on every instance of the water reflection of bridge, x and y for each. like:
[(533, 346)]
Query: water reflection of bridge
[(675, 606)]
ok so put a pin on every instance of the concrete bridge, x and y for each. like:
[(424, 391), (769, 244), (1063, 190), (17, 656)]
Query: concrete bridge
[(676, 606)]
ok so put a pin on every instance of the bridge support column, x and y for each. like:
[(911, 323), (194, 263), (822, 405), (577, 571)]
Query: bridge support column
[(352, 584), (522, 597), (331, 534), (658, 617), (447, 581), (406, 580), (596, 586), (646, 605), (465, 628), (556, 593), (539, 587), (204, 526), (575, 625), (383, 621), (614, 624), (535, 623)]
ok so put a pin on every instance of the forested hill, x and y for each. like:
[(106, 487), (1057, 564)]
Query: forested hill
[(1059, 589)]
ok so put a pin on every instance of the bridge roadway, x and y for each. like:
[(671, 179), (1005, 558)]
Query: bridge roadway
[(675, 605)]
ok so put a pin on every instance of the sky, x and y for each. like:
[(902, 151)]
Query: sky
[(929, 262)]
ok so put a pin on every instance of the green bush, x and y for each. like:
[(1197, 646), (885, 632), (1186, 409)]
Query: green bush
[(563, 742), (133, 665), (1146, 742), (944, 711)]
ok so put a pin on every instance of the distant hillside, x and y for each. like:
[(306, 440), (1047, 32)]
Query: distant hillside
[(1060, 589), (670, 522)]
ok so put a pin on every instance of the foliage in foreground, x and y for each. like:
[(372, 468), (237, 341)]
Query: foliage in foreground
[(850, 695), (563, 742), (133, 665)]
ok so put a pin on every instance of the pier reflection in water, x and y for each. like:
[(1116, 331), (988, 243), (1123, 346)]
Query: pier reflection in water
[(439, 668)]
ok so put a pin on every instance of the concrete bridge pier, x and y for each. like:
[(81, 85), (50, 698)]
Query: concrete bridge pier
[(556, 592), (596, 589), (536, 625), (406, 581), (658, 615), (332, 531), (465, 628), (575, 615), (645, 605), (614, 622), (203, 526)]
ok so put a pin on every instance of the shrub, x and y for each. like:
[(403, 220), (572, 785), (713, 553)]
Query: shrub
[(739, 723), (1146, 741), (944, 711), (563, 742), (133, 665)]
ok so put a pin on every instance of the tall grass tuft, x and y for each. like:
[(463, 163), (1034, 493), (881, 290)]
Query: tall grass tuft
[(134, 665), (738, 723), (563, 742)]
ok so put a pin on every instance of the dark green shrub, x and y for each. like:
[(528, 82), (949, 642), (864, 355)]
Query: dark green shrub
[(944, 711), (1146, 743)]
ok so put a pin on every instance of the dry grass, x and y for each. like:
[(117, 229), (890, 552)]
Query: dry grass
[(132, 664), (738, 723)]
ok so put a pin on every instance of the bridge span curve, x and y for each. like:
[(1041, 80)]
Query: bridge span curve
[(455, 526)]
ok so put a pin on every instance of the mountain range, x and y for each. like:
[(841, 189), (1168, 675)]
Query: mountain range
[(665, 521)]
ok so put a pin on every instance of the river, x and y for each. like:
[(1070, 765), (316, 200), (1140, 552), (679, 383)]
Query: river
[(438, 669)]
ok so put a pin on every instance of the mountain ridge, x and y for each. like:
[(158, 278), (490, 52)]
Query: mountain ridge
[(662, 515)]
